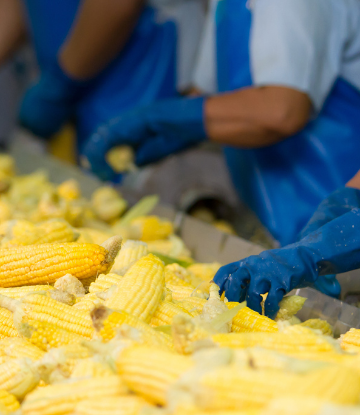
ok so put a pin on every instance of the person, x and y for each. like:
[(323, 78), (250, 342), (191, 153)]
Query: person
[(329, 244), (98, 58), (281, 94)]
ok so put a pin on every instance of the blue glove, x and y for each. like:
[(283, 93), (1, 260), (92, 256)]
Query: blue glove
[(154, 131), (50, 102), (332, 249), (338, 203)]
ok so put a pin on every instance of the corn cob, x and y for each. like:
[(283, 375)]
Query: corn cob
[(139, 291), (108, 323), (18, 292), (36, 264), (61, 399), (18, 377), (108, 203), (172, 279), (7, 327), (8, 403), (151, 228), (123, 405), (70, 284), (91, 368), (317, 324), (131, 252), (43, 308), (149, 372), (88, 302), (180, 272), (186, 332), (285, 342), (247, 320), (350, 341), (104, 282), (69, 190), (165, 313), (191, 303), (20, 348), (205, 272), (93, 236), (46, 335), (289, 306), (180, 292)]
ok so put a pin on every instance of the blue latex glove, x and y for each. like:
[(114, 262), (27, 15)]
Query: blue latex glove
[(154, 131), (332, 249), (50, 102), (338, 203)]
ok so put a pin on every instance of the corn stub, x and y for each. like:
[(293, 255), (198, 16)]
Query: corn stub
[(165, 313), (71, 285), (91, 368), (104, 282), (65, 396), (350, 341), (289, 306), (37, 264), (150, 372), (318, 324), (186, 333), (19, 292), (139, 291), (7, 327), (131, 252), (247, 320), (122, 405), (205, 272), (8, 403), (109, 323), (151, 228), (88, 303), (213, 308), (18, 377), (45, 309), (20, 348)]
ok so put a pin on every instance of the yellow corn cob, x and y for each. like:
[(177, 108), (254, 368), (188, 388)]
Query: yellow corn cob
[(179, 292), (247, 320), (108, 203), (350, 341), (70, 284), (18, 292), (7, 327), (44, 308), (289, 306), (151, 228), (285, 342), (61, 399), (46, 335), (318, 324), (88, 302), (191, 303), (69, 190), (165, 313), (108, 323), (123, 405), (36, 264), (182, 273), (172, 279), (8, 403), (205, 272), (151, 377), (131, 252), (53, 230), (299, 406), (104, 282), (19, 348), (18, 377), (139, 291), (91, 368)]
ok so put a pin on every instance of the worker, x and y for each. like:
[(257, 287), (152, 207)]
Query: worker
[(281, 94), (329, 244), (98, 58)]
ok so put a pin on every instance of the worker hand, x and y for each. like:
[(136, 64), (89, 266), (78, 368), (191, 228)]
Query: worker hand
[(338, 203), (49, 103), (155, 132), (332, 249)]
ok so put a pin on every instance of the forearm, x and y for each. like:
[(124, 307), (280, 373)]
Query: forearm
[(12, 28), (256, 117), (100, 31)]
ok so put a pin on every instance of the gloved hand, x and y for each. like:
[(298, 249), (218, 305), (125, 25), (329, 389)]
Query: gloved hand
[(338, 203), (332, 249), (49, 103), (154, 131)]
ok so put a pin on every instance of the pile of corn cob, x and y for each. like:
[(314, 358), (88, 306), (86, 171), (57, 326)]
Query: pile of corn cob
[(90, 327)]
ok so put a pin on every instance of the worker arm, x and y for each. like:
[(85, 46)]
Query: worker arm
[(12, 28), (332, 249), (84, 54)]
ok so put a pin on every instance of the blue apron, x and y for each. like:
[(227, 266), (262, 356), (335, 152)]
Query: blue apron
[(283, 184), (143, 72)]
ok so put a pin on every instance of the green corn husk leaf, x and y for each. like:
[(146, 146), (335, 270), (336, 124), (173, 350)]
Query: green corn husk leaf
[(142, 208), (167, 260)]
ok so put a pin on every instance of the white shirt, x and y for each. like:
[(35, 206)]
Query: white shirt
[(189, 16), (302, 44)]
